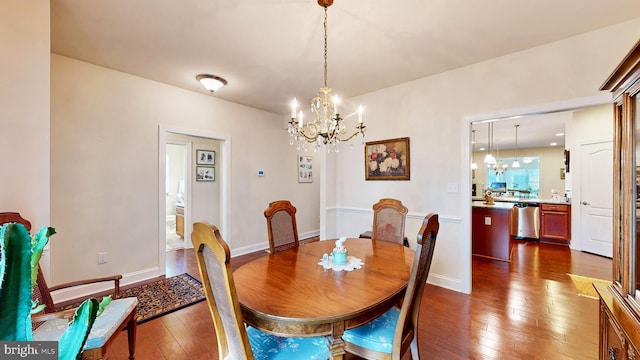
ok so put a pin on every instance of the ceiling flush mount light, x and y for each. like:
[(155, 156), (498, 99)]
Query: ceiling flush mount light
[(327, 127), (211, 82)]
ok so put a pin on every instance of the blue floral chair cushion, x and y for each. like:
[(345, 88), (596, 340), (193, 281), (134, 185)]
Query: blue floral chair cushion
[(377, 334), (105, 325), (266, 346)]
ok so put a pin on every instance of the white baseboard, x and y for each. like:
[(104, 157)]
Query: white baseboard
[(445, 282)]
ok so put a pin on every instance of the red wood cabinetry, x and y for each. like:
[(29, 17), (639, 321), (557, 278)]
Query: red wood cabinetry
[(180, 221), (555, 223), (490, 232)]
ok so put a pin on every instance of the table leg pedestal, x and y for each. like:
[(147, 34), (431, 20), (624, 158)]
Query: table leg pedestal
[(336, 344)]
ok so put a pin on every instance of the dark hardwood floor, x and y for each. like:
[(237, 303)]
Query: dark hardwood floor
[(526, 309)]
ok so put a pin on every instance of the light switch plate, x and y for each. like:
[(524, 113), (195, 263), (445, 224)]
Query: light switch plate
[(487, 220), (452, 187)]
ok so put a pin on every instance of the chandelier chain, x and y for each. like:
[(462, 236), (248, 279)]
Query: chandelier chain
[(325, 47)]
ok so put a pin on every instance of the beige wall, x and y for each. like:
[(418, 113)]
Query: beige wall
[(24, 108), (432, 110), (104, 174), (103, 162)]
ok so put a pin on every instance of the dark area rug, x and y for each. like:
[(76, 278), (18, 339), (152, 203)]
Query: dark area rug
[(162, 296)]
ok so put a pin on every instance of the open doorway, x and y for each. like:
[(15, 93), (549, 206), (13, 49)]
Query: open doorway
[(523, 115), (203, 199)]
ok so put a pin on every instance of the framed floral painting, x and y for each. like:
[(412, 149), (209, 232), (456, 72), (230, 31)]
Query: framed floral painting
[(387, 159)]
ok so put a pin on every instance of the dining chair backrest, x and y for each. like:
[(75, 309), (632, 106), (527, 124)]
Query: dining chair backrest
[(281, 225), (9, 217), (213, 256), (405, 331), (389, 216)]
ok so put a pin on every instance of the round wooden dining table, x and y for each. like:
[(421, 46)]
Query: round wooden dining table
[(289, 294)]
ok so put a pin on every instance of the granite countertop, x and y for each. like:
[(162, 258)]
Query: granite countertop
[(523, 200), (496, 205)]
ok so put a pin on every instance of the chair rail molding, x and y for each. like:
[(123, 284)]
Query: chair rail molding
[(410, 214)]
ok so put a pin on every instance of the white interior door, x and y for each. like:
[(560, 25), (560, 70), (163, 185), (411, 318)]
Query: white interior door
[(596, 198)]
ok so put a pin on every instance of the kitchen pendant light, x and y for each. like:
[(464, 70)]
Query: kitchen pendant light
[(489, 159), (516, 164)]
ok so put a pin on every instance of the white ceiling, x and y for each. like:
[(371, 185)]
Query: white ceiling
[(271, 50), (534, 131)]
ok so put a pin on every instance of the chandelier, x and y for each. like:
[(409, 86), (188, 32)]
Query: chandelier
[(327, 127), (498, 167)]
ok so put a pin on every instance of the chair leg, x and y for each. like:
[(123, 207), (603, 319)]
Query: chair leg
[(414, 349), (132, 326)]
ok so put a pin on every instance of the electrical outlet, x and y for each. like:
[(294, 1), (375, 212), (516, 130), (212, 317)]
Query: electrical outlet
[(487, 220), (452, 187), (102, 258)]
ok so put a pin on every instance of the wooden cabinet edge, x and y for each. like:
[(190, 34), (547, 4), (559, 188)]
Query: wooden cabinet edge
[(625, 318)]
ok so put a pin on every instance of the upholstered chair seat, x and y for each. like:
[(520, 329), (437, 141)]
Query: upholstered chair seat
[(377, 334), (103, 328), (269, 347)]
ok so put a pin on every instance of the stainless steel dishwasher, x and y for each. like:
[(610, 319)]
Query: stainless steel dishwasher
[(524, 221)]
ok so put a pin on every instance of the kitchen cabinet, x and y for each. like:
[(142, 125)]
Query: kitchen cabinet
[(180, 221), (555, 223), (614, 342), (620, 302)]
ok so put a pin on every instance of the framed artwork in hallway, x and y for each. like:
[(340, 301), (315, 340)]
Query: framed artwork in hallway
[(205, 173), (205, 157)]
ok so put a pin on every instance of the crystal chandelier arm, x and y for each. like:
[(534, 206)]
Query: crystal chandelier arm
[(360, 128)]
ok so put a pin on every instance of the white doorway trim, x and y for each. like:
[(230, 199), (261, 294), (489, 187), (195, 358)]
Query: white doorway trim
[(465, 171), (224, 174)]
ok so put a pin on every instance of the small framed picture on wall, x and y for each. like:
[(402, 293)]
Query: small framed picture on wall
[(305, 169), (205, 173), (205, 157)]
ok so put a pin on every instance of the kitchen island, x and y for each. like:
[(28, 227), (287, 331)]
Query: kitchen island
[(490, 230), (491, 225)]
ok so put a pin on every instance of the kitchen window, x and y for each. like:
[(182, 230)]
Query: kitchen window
[(525, 178)]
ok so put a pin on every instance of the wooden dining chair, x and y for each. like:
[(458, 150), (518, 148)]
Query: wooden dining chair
[(389, 217), (235, 341), (50, 324), (390, 335), (281, 226)]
